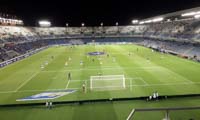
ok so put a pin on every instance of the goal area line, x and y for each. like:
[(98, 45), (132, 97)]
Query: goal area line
[(108, 76), (109, 79)]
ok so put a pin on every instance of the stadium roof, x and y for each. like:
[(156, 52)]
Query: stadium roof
[(174, 15)]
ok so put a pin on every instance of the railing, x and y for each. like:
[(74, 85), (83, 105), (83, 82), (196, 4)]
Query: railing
[(167, 110)]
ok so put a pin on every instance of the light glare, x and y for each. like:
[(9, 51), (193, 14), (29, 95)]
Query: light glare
[(44, 23)]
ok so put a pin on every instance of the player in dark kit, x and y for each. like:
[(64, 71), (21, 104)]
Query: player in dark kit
[(69, 76)]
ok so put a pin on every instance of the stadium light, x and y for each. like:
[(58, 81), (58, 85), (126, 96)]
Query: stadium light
[(135, 21), (148, 21), (20, 21), (67, 25), (158, 19), (44, 23), (152, 20), (101, 24), (116, 23), (197, 16), (190, 14), (168, 20), (142, 22), (11, 21), (82, 24)]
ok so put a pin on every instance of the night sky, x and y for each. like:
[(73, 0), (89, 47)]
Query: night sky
[(91, 12)]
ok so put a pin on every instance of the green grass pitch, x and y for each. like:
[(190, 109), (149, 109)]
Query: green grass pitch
[(145, 72)]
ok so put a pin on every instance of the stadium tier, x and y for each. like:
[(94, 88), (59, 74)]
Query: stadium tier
[(181, 37)]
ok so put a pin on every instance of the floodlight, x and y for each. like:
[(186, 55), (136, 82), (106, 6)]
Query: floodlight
[(117, 24), (148, 21), (142, 22), (20, 21), (190, 14), (44, 23), (135, 21), (83, 24), (197, 16), (101, 24), (158, 19), (168, 20)]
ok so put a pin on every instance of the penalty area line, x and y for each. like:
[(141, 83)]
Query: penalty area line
[(167, 84), (67, 84)]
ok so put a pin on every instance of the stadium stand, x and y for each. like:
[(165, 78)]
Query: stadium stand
[(179, 36)]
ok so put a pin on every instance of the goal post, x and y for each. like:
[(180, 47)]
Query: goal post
[(107, 82)]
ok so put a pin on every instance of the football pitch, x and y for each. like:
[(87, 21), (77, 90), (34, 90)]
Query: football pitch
[(121, 71)]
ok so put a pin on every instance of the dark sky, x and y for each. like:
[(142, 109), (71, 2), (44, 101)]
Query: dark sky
[(91, 12)]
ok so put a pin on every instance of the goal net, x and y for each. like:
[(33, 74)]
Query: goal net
[(107, 82)]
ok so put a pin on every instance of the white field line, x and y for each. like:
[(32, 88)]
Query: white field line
[(168, 84), (135, 78), (109, 79), (86, 85), (138, 78), (107, 76), (90, 84), (144, 81), (176, 74), (180, 76), (124, 82), (149, 85), (108, 87), (114, 68), (67, 84), (78, 80), (104, 68), (26, 81), (24, 91), (90, 80), (189, 80), (130, 85)]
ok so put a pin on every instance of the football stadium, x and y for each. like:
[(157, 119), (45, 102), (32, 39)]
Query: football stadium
[(148, 70)]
